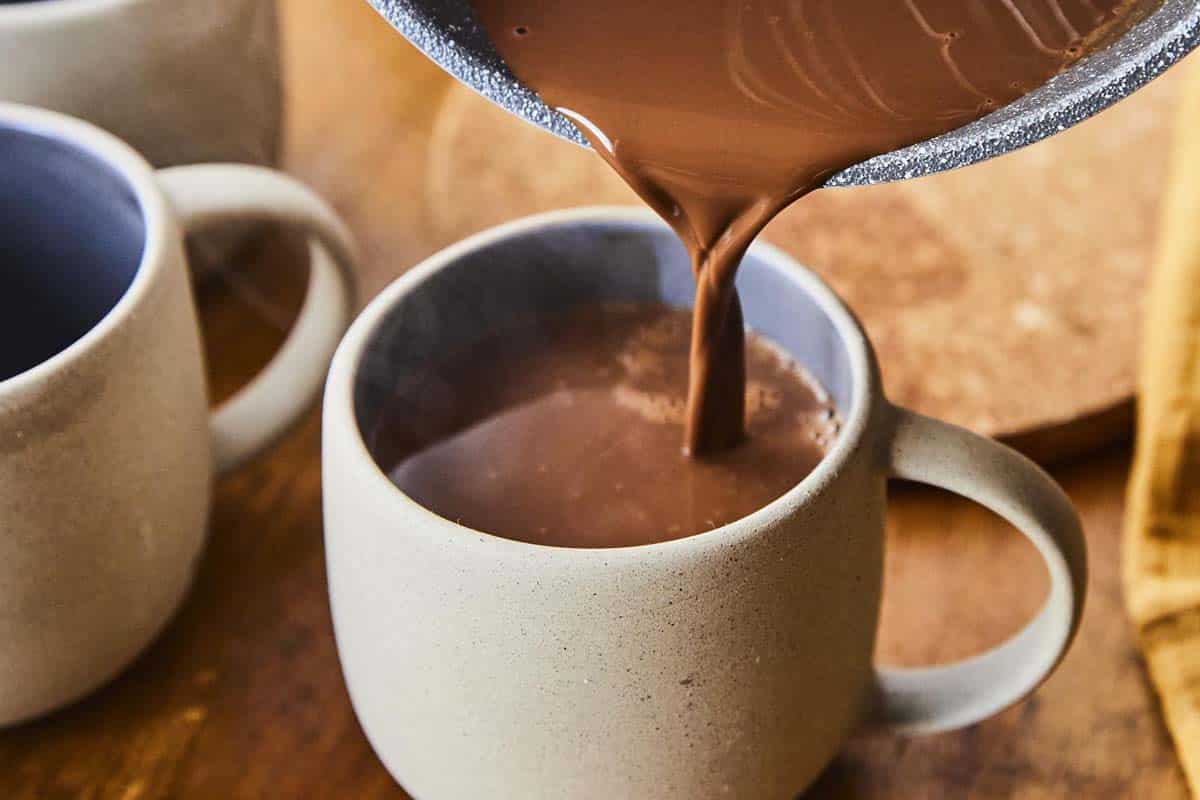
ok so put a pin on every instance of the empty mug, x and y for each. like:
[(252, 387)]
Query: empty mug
[(107, 448), (733, 663)]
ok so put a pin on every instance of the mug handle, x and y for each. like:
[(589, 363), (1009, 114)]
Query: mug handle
[(206, 194), (934, 699)]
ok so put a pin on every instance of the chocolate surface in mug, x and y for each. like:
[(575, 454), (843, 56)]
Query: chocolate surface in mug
[(564, 430), (720, 113)]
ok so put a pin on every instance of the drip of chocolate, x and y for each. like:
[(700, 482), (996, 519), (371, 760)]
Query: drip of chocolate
[(720, 113)]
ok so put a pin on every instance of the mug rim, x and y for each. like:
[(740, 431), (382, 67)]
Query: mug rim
[(138, 175), (55, 11), (347, 362)]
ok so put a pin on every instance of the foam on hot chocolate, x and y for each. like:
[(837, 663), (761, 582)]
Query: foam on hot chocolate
[(564, 430)]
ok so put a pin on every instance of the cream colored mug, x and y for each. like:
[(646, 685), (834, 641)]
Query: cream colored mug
[(107, 448), (730, 664), (183, 81)]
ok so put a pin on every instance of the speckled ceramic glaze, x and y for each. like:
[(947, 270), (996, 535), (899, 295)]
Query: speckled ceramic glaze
[(730, 664), (107, 448)]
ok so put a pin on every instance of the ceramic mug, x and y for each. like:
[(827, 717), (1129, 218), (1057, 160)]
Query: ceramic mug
[(733, 663), (183, 81), (107, 449)]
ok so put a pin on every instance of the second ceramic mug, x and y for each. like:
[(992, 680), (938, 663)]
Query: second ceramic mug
[(106, 446), (733, 663), (183, 81)]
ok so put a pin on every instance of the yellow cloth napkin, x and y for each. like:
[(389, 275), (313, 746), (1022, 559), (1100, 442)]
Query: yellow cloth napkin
[(1162, 534)]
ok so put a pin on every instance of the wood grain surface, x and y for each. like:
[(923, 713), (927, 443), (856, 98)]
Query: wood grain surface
[(242, 697)]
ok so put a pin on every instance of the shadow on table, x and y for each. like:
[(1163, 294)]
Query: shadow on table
[(839, 781)]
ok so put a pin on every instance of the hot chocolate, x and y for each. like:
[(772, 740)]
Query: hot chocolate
[(565, 431), (718, 113), (721, 112)]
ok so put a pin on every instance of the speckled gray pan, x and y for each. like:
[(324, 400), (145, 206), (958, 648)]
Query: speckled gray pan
[(446, 31)]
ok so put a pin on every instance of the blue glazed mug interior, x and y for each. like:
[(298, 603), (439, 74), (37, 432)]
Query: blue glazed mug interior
[(552, 267), (72, 236)]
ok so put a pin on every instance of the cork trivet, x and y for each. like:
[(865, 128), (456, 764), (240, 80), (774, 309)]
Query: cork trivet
[(1162, 536), (1003, 297)]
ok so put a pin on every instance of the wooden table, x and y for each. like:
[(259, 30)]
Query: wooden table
[(242, 697)]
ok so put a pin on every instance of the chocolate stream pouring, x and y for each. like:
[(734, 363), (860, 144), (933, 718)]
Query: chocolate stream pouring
[(719, 114)]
